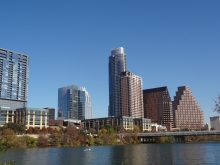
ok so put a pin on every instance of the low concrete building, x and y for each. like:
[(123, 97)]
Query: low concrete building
[(215, 122), (156, 127), (143, 123), (126, 122), (7, 115), (32, 117)]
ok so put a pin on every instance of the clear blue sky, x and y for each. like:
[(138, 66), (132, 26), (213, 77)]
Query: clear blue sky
[(168, 43)]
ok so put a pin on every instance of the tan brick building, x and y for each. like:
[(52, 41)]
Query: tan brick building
[(131, 95), (187, 112)]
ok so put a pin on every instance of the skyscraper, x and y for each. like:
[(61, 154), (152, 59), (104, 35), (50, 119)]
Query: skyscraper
[(117, 64), (85, 104), (158, 106), (13, 79), (131, 95), (187, 112), (74, 103), (68, 102)]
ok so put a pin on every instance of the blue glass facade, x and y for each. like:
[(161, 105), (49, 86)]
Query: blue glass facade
[(117, 64), (68, 102), (13, 79)]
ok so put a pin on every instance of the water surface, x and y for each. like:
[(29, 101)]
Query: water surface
[(141, 154)]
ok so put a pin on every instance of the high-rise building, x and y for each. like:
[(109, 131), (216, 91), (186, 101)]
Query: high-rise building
[(84, 104), (131, 95), (74, 103), (117, 64), (158, 106), (68, 102), (14, 73), (187, 112)]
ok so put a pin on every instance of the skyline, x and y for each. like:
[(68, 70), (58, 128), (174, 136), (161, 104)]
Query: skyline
[(166, 43)]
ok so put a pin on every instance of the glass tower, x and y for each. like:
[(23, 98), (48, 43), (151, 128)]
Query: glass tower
[(68, 102), (85, 104), (117, 64), (13, 79), (74, 103)]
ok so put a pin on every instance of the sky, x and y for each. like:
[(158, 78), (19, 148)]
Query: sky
[(168, 43)]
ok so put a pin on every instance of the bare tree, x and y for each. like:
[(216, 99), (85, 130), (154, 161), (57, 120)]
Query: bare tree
[(217, 104)]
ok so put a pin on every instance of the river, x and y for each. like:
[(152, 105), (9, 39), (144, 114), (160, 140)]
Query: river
[(140, 154)]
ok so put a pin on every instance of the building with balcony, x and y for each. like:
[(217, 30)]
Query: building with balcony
[(131, 95), (14, 73)]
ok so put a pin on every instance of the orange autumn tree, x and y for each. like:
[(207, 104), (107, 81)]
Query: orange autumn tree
[(30, 130)]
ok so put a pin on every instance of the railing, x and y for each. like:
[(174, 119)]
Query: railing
[(185, 133)]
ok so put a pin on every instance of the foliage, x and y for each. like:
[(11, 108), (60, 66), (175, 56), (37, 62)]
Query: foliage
[(55, 139), (43, 140), (50, 130), (44, 130), (30, 130), (2, 150), (92, 131), (202, 138), (17, 128), (36, 131), (167, 139), (30, 141), (136, 129)]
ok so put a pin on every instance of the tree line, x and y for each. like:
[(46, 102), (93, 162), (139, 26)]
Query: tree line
[(59, 136)]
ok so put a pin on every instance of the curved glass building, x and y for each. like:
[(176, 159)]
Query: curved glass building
[(117, 64)]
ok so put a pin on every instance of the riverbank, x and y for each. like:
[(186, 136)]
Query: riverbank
[(70, 136)]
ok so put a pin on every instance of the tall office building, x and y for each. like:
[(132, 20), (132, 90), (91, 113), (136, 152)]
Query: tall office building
[(187, 112), (13, 79), (158, 106), (74, 103), (117, 64), (68, 102), (131, 95), (85, 104)]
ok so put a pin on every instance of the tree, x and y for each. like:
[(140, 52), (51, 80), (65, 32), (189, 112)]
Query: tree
[(36, 131), (71, 136), (30, 130), (17, 128), (92, 131), (217, 104), (136, 129), (50, 130), (42, 140), (44, 130)]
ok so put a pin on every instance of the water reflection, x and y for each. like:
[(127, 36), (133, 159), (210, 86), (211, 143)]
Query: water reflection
[(189, 153)]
